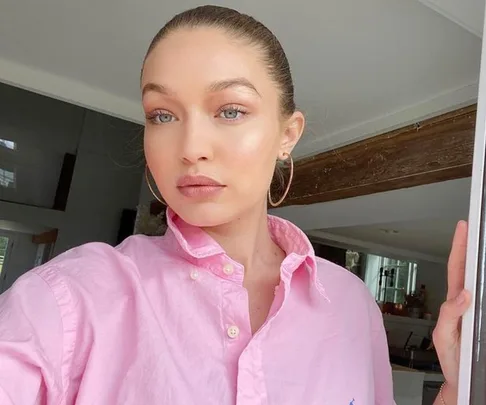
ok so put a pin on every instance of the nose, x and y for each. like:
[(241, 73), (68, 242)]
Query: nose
[(196, 142)]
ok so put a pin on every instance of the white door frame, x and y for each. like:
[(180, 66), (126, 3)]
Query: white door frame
[(475, 269)]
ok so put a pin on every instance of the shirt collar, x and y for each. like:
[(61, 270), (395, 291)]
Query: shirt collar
[(299, 251)]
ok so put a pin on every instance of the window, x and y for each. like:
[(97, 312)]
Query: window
[(8, 144), (390, 280), (3, 250), (7, 178)]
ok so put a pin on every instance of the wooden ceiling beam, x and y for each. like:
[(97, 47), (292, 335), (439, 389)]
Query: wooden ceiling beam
[(434, 150)]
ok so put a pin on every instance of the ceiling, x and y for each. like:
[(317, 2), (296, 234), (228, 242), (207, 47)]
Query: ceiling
[(467, 13), (430, 237), (360, 67), (424, 216)]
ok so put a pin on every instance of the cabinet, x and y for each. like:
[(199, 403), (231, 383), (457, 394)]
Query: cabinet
[(431, 390)]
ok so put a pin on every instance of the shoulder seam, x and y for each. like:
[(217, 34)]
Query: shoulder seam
[(64, 300)]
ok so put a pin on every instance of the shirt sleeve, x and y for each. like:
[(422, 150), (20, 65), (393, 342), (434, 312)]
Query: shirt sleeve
[(382, 370), (32, 343)]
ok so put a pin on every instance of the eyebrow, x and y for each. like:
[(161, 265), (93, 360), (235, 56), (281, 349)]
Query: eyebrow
[(157, 88), (213, 87), (237, 82)]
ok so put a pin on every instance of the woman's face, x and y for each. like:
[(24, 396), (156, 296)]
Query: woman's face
[(214, 129)]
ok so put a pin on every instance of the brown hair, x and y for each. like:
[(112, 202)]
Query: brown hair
[(240, 26)]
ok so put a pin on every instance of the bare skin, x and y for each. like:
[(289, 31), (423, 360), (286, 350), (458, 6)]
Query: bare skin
[(192, 79), (447, 334), (261, 260)]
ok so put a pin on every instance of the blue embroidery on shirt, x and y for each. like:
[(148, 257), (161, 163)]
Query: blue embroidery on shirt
[(352, 402)]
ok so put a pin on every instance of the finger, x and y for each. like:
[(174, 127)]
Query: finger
[(457, 261), (446, 331)]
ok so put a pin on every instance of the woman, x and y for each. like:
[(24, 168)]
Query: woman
[(231, 305)]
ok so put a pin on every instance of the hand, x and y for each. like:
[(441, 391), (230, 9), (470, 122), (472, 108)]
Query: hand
[(447, 334)]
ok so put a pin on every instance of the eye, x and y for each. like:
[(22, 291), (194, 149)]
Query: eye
[(232, 113), (161, 117)]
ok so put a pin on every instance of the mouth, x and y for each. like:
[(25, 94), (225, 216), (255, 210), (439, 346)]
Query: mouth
[(199, 186)]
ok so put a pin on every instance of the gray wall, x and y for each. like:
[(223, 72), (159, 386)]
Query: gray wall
[(107, 175), (106, 180), (434, 276), (44, 130)]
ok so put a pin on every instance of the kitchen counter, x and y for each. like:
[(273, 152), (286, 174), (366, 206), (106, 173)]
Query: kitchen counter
[(396, 367), (433, 376), (408, 384)]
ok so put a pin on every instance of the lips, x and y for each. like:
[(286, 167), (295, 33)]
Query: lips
[(197, 181), (199, 187)]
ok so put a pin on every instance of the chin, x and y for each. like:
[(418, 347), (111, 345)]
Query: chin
[(206, 215)]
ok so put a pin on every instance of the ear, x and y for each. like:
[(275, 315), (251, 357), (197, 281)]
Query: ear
[(292, 131)]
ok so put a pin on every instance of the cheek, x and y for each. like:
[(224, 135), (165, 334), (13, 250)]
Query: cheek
[(251, 158)]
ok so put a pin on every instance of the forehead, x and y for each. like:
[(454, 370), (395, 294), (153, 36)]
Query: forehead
[(198, 56)]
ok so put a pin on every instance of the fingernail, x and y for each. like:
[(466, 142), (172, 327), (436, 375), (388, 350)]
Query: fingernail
[(461, 298)]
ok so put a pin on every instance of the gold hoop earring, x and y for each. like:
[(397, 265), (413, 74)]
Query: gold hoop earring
[(159, 199), (276, 204)]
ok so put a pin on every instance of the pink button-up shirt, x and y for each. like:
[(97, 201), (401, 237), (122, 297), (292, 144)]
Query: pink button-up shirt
[(165, 321)]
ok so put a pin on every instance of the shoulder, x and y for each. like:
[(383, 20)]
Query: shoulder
[(97, 267), (344, 287), (350, 296), (101, 257), (339, 280)]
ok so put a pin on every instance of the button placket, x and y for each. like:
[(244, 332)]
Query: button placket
[(251, 382)]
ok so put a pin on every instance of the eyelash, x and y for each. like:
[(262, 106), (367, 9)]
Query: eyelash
[(153, 116), (238, 109)]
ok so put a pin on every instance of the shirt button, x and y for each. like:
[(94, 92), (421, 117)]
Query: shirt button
[(228, 269), (194, 274), (233, 332)]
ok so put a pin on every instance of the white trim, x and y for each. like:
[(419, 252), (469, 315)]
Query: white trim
[(471, 26)]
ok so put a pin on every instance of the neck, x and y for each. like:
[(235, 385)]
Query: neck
[(248, 241)]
